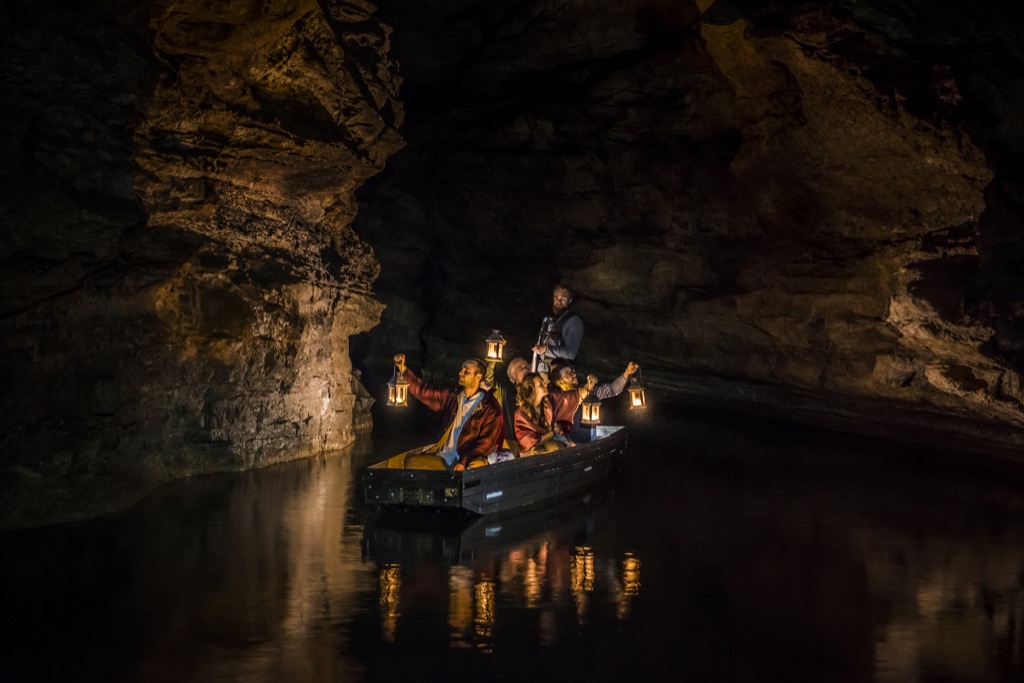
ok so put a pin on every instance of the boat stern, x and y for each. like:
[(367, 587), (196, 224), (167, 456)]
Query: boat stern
[(412, 488)]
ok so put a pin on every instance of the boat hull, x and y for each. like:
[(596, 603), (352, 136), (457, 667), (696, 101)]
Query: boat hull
[(502, 486)]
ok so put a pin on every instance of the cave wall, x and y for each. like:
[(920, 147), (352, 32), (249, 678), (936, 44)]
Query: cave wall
[(180, 274), (806, 209)]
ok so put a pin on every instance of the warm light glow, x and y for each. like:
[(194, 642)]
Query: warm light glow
[(495, 346), (637, 398), (460, 606), (398, 390), (631, 574), (591, 407), (483, 616), (630, 586), (582, 574), (390, 591)]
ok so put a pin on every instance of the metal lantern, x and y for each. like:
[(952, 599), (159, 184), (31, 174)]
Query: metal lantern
[(637, 399), (591, 408), (398, 390), (495, 346)]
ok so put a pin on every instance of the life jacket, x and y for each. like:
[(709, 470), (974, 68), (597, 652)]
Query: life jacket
[(554, 332)]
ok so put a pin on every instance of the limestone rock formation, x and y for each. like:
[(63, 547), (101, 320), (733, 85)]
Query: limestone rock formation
[(180, 275), (803, 208)]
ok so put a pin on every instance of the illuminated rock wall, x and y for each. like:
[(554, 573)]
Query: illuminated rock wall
[(181, 278), (803, 208)]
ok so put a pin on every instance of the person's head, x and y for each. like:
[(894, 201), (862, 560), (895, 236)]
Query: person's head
[(564, 376), (531, 390), (517, 368), (562, 297), (471, 374)]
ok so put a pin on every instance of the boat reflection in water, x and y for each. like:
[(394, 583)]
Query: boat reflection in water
[(538, 563)]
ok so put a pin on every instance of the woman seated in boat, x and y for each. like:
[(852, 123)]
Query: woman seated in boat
[(535, 430)]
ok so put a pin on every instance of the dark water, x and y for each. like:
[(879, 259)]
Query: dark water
[(731, 549)]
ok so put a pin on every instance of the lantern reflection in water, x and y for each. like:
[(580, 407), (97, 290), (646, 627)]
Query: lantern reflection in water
[(460, 606), (582, 579), (483, 619), (525, 573), (470, 609), (630, 585), (390, 591), (548, 577)]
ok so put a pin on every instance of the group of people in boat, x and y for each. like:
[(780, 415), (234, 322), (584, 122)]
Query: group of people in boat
[(488, 419)]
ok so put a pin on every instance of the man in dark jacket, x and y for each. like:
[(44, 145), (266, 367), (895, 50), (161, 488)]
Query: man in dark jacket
[(473, 423), (562, 334)]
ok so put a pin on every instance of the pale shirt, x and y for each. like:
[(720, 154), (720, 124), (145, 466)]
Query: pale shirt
[(464, 407)]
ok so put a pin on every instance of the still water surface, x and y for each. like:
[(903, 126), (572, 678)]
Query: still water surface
[(731, 549)]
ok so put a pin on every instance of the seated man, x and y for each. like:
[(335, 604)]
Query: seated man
[(473, 421), (565, 394)]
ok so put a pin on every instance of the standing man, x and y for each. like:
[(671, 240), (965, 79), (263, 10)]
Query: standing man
[(563, 336), (474, 426)]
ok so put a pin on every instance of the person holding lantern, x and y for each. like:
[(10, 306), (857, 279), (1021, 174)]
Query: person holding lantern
[(505, 393), (474, 426), (617, 385), (566, 395)]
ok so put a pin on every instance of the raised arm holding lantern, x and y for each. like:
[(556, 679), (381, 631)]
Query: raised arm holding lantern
[(474, 426)]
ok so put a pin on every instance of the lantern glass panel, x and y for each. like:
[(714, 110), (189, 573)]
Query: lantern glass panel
[(495, 346), (398, 391), (637, 398)]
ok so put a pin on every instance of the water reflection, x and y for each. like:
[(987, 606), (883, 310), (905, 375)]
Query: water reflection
[(525, 569), (223, 577), (747, 555), (523, 581)]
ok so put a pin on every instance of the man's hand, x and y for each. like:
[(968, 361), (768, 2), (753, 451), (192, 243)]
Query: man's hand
[(458, 467), (631, 367), (591, 382), (540, 349), (400, 362)]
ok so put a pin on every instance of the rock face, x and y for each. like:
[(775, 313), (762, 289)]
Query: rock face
[(180, 275), (805, 208), (808, 208)]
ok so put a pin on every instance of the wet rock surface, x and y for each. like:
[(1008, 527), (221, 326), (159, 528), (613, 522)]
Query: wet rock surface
[(181, 278)]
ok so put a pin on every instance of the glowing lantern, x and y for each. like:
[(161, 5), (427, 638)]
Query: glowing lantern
[(398, 390), (591, 407), (637, 399), (495, 346)]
